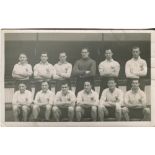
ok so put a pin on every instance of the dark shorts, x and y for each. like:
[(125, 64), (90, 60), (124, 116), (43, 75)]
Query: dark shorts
[(111, 112), (136, 113)]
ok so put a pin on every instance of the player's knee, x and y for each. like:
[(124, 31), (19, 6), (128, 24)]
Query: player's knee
[(94, 108), (78, 109), (118, 108), (124, 110), (100, 108), (15, 107), (48, 107), (55, 108), (24, 108), (71, 109), (35, 107), (147, 111)]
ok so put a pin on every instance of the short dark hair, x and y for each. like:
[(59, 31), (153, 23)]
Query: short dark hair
[(135, 47), (44, 82), (62, 53), (44, 52), (64, 83), (22, 54), (112, 79), (135, 79), (107, 49), (88, 81), (85, 48), (22, 82)]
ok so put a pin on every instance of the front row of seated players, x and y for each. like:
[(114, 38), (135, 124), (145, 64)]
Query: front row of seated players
[(87, 99)]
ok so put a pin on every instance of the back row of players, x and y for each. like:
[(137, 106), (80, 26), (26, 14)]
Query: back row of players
[(85, 70)]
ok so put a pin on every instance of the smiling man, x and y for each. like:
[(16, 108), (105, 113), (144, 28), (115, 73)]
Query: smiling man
[(107, 69), (21, 102), (84, 69), (136, 68), (64, 100), (62, 72), (22, 71), (43, 71), (44, 100), (111, 98), (135, 101), (87, 99)]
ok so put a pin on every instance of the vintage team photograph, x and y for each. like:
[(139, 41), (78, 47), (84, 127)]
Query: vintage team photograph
[(76, 77)]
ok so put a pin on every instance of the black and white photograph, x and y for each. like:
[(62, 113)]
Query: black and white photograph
[(73, 77)]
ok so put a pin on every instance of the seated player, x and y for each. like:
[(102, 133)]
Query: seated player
[(87, 99), (111, 98), (22, 72), (64, 100), (44, 100), (135, 101), (21, 102)]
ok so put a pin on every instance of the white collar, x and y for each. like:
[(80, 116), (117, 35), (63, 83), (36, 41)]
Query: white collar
[(87, 93), (46, 63), (60, 63), (111, 60), (44, 93), (136, 59)]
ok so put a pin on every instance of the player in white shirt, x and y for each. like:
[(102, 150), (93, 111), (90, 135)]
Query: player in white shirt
[(43, 71), (87, 99), (63, 71), (135, 101), (136, 68), (22, 72), (21, 103), (107, 69), (64, 100), (111, 97), (44, 100)]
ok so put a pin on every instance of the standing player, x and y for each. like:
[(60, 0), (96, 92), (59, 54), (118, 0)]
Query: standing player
[(44, 100), (22, 72), (135, 99), (84, 69), (136, 68), (112, 98), (43, 71), (107, 69), (87, 99), (21, 102), (63, 71)]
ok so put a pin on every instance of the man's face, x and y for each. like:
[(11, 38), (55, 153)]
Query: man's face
[(62, 57), (44, 58), (22, 58), (136, 52), (87, 87), (135, 84), (44, 86), (64, 88), (111, 84), (84, 53), (108, 54), (22, 87)]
